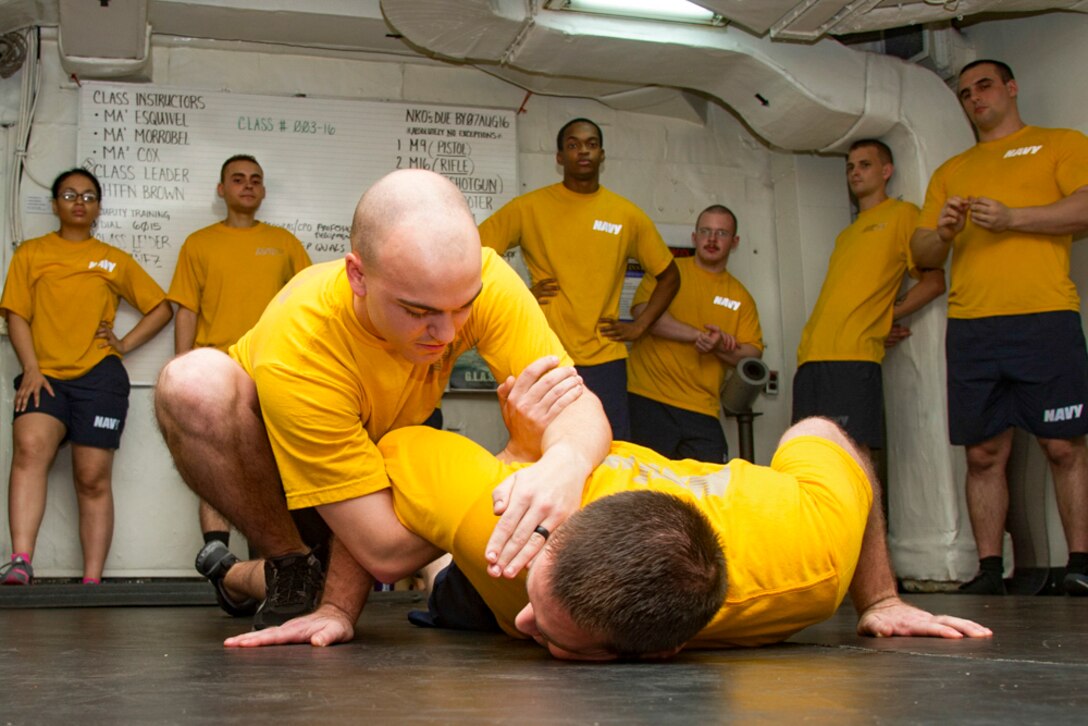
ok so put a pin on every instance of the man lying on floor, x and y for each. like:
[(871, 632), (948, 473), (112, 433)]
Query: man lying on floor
[(663, 555)]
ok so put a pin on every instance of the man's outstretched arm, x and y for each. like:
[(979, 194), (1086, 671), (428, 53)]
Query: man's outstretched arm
[(347, 586), (881, 613), (369, 543)]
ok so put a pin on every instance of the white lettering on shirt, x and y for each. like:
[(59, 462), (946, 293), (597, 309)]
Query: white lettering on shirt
[(104, 264), (726, 302), (712, 484), (1022, 151), (602, 226)]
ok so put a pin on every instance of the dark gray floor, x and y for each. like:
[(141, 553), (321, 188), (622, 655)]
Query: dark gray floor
[(166, 665)]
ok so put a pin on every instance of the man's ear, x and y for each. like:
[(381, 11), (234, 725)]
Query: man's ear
[(353, 264), (886, 171), (219, 189)]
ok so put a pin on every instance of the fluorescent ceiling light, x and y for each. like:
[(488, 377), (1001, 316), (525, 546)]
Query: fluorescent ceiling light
[(678, 10)]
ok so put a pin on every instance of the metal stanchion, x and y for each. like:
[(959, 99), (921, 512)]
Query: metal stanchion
[(738, 395)]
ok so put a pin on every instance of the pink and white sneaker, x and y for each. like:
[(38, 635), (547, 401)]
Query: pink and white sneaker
[(16, 572)]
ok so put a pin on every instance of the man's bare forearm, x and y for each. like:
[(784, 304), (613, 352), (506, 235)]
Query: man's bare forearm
[(930, 286), (668, 284), (1068, 215), (874, 579), (735, 356), (928, 249), (579, 437), (347, 583), (669, 328)]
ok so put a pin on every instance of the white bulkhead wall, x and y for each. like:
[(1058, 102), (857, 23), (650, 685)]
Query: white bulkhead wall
[(791, 206)]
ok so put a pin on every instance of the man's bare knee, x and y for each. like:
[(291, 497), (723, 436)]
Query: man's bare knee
[(1063, 452), (824, 428), (982, 458), (198, 385)]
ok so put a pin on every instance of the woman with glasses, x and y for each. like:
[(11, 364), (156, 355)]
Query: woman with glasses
[(60, 298)]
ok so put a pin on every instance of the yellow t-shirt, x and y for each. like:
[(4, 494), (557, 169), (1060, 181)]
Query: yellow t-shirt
[(329, 389), (676, 373), (65, 290), (1011, 273), (583, 241), (853, 314), (226, 275), (791, 532)]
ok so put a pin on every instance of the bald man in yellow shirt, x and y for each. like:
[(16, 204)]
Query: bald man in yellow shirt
[(347, 352)]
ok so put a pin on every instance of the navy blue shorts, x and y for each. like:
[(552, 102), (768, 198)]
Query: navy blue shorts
[(1028, 371), (676, 433), (455, 604), (849, 392), (92, 407), (609, 382)]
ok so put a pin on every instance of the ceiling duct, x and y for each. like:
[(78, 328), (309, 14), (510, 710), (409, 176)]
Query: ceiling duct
[(805, 97), (105, 38), (810, 20), (358, 25)]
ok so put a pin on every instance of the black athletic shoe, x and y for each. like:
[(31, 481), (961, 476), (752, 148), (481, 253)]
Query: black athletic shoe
[(1075, 584), (293, 583), (213, 561), (985, 583)]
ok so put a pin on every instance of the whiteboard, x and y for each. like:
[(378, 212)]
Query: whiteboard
[(157, 152)]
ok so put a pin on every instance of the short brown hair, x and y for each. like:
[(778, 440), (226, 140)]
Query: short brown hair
[(642, 569), (1004, 72), (231, 160), (883, 152), (719, 209)]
